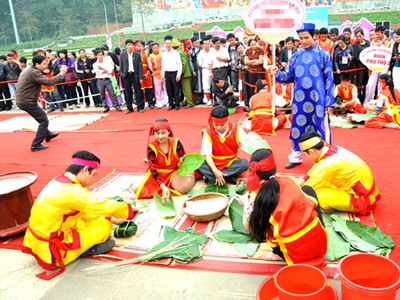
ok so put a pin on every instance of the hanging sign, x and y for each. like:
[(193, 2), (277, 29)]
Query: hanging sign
[(274, 20), (376, 58)]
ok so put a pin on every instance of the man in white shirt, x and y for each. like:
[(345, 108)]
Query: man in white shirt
[(204, 60), (380, 40), (171, 72), (103, 70), (220, 60)]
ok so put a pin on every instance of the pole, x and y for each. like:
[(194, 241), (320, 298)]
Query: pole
[(273, 79), (14, 22), (105, 15), (116, 21), (240, 85)]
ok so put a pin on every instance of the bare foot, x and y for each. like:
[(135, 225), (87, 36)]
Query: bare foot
[(272, 257)]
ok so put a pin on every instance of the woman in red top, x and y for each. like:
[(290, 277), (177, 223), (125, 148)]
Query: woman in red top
[(254, 62), (284, 214), (164, 154)]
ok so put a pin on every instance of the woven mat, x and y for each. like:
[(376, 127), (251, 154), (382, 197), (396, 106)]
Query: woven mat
[(217, 256), (63, 122)]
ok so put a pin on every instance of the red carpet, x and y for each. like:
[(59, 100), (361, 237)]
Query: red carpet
[(120, 141)]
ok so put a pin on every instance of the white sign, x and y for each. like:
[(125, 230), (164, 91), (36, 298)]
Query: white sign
[(274, 20), (376, 58)]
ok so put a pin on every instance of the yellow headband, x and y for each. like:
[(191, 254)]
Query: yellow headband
[(307, 144)]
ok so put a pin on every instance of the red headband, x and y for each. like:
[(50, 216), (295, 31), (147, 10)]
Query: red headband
[(137, 43), (161, 125), (84, 162), (219, 120), (264, 165)]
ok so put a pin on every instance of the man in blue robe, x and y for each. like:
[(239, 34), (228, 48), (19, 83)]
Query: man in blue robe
[(310, 69)]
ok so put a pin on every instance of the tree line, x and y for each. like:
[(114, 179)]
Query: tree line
[(56, 20)]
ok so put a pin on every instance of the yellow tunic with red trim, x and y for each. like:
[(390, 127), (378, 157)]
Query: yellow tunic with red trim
[(66, 220), (224, 149), (166, 168), (346, 94), (296, 228), (156, 64), (343, 181), (390, 111), (147, 82)]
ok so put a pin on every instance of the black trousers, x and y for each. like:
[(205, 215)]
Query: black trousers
[(310, 192), (129, 81), (86, 86), (253, 77), (40, 116), (362, 81), (173, 89), (5, 94)]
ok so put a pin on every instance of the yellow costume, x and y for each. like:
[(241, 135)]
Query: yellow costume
[(343, 181), (66, 220)]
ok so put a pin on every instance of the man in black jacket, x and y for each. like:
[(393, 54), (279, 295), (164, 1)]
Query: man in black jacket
[(224, 93), (132, 75)]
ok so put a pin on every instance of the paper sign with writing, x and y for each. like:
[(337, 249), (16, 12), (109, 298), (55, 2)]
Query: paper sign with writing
[(274, 20), (376, 58)]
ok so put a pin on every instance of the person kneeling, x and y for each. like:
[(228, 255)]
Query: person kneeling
[(264, 120), (67, 220), (346, 97), (284, 214), (341, 179), (224, 93)]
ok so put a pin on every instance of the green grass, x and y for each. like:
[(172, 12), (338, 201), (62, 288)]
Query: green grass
[(181, 33)]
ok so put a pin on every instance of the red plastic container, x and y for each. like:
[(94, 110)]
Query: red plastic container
[(15, 202), (300, 281), (268, 291), (366, 276)]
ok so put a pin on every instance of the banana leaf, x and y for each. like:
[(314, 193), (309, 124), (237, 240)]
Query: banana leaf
[(236, 216), (360, 118), (241, 189), (166, 210), (337, 246), (341, 123), (357, 243), (195, 192), (372, 235), (227, 190), (190, 162), (181, 246), (254, 142), (231, 236), (168, 233), (126, 229), (246, 250), (222, 189)]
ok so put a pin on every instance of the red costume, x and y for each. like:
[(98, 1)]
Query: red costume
[(263, 119), (390, 110), (287, 94), (224, 150), (346, 94), (166, 166), (296, 228), (327, 45), (147, 82)]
